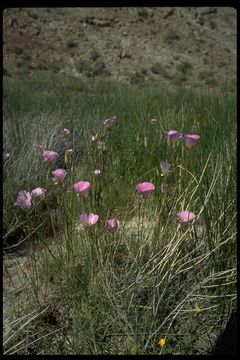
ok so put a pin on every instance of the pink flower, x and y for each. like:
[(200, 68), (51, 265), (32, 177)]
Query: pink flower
[(186, 217), (88, 219), (153, 121), (66, 131), (38, 193), (82, 188), (112, 225), (172, 135), (191, 140), (24, 200), (97, 172), (145, 189), (59, 175), (49, 156)]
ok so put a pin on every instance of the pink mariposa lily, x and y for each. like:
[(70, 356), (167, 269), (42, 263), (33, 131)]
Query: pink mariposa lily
[(24, 200), (88, 219), (186, 217), (59, 176), (82, 188), (145, 189), (38, 193), (49, 156), (112, 225), (191, 140), (172, 135)]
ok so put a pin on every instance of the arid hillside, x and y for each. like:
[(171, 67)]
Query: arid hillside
[(191, 45)]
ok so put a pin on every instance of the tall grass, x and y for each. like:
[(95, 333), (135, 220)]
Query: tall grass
[(94, 292)]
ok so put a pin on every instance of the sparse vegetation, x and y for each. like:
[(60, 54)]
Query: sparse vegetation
[(172, 36), (183, 70), (208, 77), (159, 69), (94, 55), (184, 67), (142, 13), (15, 49), (54, 66), (96, 68), (138, 77), (121, 41), (179, 78), (71, 44), (33, 14), (81, 66), (26, 56)]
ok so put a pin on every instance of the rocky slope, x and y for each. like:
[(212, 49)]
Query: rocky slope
[(172, 45)]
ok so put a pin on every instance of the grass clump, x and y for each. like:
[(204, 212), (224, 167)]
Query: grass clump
[(142, 13), (159, 69), (96, 68), (184, 67), (138, 77), (81, 66), (179, 78), (208, 77)]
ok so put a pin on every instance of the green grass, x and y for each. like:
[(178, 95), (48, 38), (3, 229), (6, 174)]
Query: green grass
[(92, 292)]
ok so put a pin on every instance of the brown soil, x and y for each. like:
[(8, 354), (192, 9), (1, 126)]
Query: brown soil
[(190, 45)]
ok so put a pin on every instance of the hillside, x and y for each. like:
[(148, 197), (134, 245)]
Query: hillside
[(194, 46)]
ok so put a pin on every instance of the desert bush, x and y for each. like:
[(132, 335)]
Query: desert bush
[(159, 69), (208, 77), (184, 67)]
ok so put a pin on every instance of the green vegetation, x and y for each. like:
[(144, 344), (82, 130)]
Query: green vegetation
[(92, 292)]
